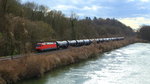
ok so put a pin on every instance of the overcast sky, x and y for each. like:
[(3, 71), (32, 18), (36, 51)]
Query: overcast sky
[(133, 13)]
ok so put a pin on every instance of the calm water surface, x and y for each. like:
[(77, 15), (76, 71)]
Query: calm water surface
[(127, 65)]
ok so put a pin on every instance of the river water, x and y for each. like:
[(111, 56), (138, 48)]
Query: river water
[(127, 65)]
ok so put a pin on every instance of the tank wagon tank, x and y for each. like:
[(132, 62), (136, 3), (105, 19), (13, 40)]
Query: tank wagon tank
[(80, 42), (62, 44), (87, 42), (72, 42)]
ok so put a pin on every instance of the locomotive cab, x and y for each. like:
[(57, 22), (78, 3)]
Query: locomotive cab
[(46, 46)]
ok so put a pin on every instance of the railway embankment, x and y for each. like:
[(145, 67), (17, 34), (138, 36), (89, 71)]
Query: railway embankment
[(32, 66)]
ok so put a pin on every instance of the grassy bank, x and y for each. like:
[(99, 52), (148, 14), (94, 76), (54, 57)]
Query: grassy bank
[(36, 65)]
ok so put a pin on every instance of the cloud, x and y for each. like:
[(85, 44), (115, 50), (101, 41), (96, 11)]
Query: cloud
[(64, 7), (94, 7), (143, 7), (130, 0), (136, 22), (137, 11), (138, 1), (144, 0), (84, 8)]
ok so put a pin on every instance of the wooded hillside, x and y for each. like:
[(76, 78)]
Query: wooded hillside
[(23, 25)]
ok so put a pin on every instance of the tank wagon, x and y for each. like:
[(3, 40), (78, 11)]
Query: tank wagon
[(62, 44), (44, 46), (87, 42), (72, 42), (80, 42)]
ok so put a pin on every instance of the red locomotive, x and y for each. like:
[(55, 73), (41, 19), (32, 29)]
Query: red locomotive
[(46, 46)]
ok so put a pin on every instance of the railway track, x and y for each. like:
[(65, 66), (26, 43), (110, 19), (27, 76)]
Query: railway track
[(34, 53), (10, 57)]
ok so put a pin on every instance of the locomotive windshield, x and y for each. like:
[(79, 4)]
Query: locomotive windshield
[(38, 45)]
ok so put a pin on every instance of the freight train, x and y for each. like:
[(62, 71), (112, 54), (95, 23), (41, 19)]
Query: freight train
[(45, 46)]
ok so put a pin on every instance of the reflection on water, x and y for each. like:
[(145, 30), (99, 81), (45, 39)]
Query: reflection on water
[(128, 65)]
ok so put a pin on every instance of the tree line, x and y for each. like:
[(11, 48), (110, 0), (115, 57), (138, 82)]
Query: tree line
[(23, 25), (144, 32)]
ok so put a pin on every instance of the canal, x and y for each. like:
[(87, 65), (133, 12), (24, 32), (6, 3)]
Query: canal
[(127, 65)]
